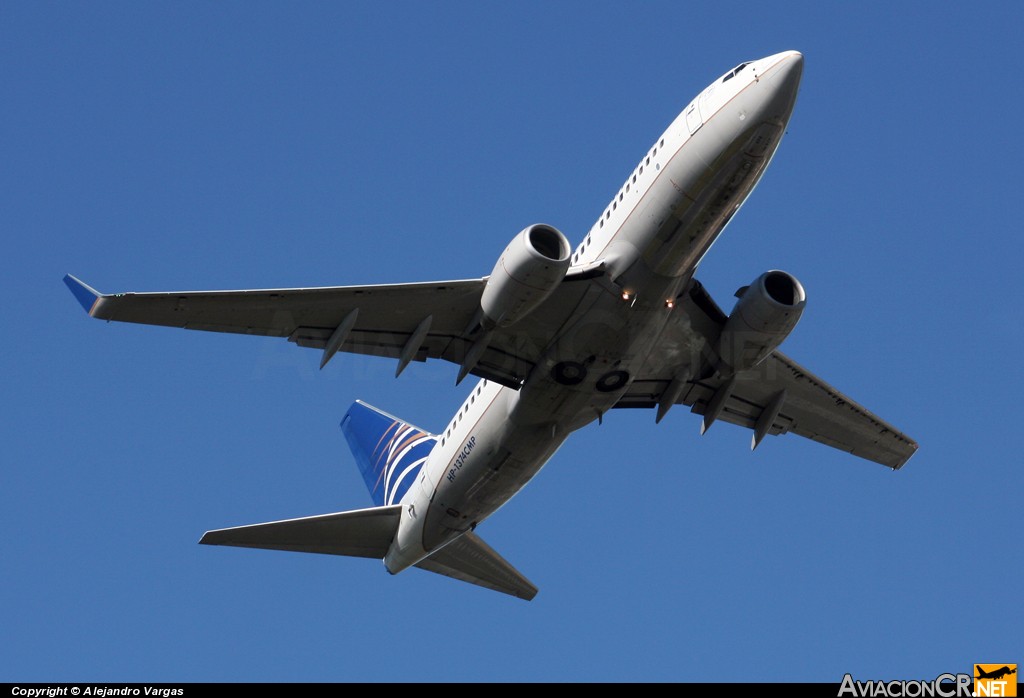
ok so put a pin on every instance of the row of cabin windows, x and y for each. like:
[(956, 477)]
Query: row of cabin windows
[(640, 171), (464, 410), (622, 193), (583, 248)]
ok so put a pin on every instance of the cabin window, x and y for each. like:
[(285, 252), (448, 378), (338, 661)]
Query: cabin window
[(602, 222), (662, 144), (627, 188)]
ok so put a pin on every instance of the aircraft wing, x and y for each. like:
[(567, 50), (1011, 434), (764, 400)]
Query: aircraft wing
[(807, 406), (408, 322), (777, 396)]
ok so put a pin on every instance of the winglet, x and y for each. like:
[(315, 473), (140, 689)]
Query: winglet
[(85, 294)]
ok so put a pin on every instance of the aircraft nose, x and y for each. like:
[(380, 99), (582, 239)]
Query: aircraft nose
[(782, 73), (789, 70)]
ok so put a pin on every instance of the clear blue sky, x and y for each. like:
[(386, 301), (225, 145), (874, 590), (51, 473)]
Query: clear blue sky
[(166, 146)]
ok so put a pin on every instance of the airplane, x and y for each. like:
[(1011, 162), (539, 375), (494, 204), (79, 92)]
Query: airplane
[(995, 674), (557, 337)]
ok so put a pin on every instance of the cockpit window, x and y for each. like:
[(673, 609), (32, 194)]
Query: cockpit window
[(735, 71)]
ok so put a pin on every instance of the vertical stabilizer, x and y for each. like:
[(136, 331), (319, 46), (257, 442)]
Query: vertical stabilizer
[(389, 452)]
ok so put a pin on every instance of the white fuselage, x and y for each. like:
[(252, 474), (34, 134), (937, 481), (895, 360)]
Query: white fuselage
[(649, 241)]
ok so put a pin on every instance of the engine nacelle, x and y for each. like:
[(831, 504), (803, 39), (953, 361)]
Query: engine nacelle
[(528, 271), (765, 314)]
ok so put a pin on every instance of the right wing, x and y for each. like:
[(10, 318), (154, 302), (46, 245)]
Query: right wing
[(409, 322), (775, 397)]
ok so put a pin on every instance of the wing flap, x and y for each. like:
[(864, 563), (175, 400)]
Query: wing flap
[(358, 533), (743, 408), (469, 559)]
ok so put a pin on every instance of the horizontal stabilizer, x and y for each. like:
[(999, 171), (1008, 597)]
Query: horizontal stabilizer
[(469, 559), (359, 533), (369, 533)]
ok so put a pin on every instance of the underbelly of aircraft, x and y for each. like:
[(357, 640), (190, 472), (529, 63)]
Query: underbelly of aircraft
[(470, 494), (583, 375)]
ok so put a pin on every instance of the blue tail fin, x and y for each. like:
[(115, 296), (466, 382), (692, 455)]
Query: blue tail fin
[(390, 452)]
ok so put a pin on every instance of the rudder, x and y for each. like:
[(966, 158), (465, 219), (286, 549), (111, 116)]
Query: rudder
[(389, 451)]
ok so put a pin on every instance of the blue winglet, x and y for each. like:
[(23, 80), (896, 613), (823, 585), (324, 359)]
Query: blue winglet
[(85, 294)]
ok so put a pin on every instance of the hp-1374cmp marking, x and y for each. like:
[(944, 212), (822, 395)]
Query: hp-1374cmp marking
[(557, 336)]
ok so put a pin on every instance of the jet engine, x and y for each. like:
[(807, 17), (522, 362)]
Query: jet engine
[(528, 271), (765, 314)]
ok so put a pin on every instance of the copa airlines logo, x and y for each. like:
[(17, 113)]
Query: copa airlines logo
[(400, 453)]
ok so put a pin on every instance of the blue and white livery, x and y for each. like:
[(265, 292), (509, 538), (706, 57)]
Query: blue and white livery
[(557, 337), (389, 451)]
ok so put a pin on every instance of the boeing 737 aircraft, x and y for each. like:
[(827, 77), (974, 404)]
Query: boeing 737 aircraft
[(557, 337)]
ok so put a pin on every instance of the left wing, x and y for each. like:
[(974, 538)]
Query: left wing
[(775, 397), (408, 322)]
